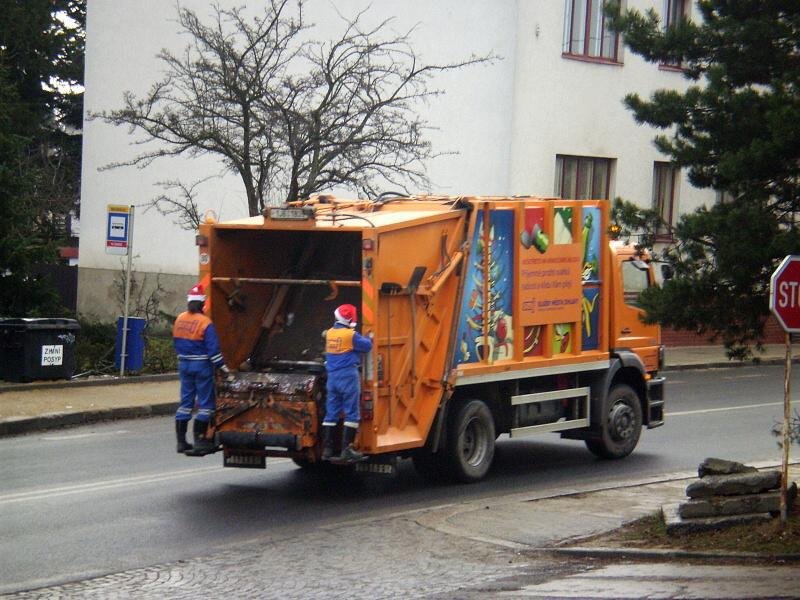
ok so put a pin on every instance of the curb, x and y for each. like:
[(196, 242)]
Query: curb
[(21, 425), (728, 364), (660, 554), (38, 385)]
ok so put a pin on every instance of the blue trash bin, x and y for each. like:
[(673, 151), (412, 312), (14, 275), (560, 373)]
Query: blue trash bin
[(134, 344)]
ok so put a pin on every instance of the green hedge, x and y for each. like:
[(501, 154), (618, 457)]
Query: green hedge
[(94, 350)]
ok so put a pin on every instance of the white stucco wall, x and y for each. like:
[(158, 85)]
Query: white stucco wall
[(123, 39), (507, 122), (574, 107)]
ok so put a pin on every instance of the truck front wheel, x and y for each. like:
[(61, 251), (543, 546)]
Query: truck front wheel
[(621, 424), (470, 441)]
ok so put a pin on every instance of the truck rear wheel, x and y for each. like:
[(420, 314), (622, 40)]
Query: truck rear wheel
[(621, 424), (470, 441)]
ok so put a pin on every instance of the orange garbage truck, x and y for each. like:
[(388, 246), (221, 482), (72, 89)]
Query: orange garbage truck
[(488, 315)]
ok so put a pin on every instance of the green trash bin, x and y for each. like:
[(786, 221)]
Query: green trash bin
[(36, 349)]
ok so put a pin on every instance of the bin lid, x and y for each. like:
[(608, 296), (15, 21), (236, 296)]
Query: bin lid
[(23, 324)]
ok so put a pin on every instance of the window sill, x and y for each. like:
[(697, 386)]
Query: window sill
[(668, 67), (664, 238), (592, 59)]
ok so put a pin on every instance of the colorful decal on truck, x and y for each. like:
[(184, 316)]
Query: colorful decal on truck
[(562, 225), (490, 281), (590, 239), (590, 318), (532, 344), (533, 233), (562, 338), (549, 280)]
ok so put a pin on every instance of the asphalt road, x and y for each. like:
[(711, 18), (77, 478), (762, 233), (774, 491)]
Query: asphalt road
[(105, 498)]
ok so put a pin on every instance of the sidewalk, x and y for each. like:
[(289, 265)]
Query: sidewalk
[(563, 521)]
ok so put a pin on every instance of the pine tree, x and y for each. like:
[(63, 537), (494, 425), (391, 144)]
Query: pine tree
[(41, 70), (736, 129)]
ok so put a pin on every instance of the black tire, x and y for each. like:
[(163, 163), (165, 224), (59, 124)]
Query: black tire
[(470, 441), (621, 424)]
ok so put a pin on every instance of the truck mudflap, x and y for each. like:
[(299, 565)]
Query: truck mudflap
[(261, 410), (655, 402)]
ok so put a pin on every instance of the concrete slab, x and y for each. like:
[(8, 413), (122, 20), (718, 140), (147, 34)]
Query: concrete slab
[(670, 580)]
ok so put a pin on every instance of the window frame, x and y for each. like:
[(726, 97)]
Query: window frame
[(674, 10), (564, 163), (569, 42), (662, 172), (630, 292)]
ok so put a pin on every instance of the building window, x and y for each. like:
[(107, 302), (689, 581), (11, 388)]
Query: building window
[(586, 31), (665, 178), (583, 177), (675, 11), (724, 197)]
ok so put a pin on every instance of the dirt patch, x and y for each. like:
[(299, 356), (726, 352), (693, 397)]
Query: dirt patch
[(766, 539)]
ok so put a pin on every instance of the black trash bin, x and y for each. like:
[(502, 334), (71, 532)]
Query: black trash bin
[(34, 349)]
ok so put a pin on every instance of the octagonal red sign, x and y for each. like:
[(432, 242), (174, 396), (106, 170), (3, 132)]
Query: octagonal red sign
[(784, 294)]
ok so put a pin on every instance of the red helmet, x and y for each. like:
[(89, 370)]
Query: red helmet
[(346, 314), (196, 294)]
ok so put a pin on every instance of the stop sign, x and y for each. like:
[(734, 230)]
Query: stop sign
[(784, 294)]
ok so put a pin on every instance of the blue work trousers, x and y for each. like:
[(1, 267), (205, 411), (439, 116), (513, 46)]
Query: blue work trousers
[(343, 390), (197, 384)]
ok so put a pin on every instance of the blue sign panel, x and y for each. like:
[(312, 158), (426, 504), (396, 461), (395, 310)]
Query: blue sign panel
[(117, 227)]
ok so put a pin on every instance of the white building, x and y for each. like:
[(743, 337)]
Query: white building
[(547, 119)]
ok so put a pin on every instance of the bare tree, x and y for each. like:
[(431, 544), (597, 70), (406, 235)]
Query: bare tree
[(184, 207), (290, 115)]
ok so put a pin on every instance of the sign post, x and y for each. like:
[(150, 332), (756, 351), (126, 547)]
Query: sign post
[(784, 302), (119, 241)]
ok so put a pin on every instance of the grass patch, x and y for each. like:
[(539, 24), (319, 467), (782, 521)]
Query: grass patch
[(767, 539)]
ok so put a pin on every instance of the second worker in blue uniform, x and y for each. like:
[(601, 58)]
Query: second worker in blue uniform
[(343, 347)]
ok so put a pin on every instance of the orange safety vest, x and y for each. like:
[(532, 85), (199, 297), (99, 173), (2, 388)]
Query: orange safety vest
[(339, 340)]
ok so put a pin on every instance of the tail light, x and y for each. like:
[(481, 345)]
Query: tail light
[(367, 411)]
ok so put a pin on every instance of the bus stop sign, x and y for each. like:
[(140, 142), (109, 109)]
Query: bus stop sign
[(784, 294)]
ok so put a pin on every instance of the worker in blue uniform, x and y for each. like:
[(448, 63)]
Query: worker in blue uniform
[(197, 347), (343, 346)]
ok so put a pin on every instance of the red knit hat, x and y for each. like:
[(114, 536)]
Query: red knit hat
[(196, 294), (346, 314)]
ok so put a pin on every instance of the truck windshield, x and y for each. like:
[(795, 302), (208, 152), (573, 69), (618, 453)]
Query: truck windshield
[(635, 279)]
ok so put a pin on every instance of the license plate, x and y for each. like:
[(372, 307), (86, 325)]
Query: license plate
[(291, 214), (245, 461)]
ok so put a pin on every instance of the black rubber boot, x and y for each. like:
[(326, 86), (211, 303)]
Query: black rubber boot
[(180, 432), (349, 454), (327, 442), (202, 446)]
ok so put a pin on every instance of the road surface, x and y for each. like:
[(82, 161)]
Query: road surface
[(107, 498)]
